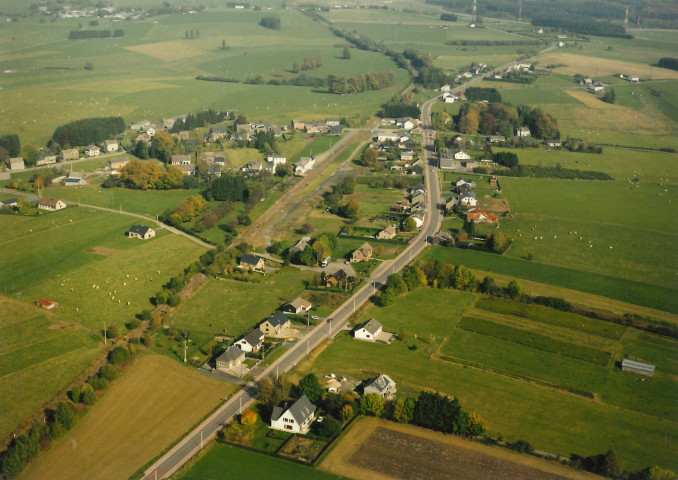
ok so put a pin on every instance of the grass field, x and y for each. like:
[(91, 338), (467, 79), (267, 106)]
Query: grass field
[(233, 307), (144, 411), (41, 352), (547, 418), (64, 270), (225, 461), (661, 298), (160, 63)]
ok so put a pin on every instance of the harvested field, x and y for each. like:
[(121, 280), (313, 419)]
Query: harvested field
[(168, 51), (382, 450), (104, 251), (596, 67), (497, 206)]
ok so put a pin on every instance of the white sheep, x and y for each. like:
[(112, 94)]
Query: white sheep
[(128, 303), (118, 301)]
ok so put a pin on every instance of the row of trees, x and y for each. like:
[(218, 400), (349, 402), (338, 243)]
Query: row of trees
[(197, 120), (270, 22), (496, 118), (80, 34), (360, 83), (139, 175), (477, 94), (429, 76), (492, 43), (668, 62), (11, 144), (332, 198), (584, 27), (309, 63), (232, 188), (88, 130), (188, 209)]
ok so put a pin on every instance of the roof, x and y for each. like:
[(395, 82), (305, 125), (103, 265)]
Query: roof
[(335, 267), (50, 202), (372, 326), (9, 201), (637, 365), (250, 259), (139, 229), (278, 319), (302, 409), (300, 302), (381, 383), (45, 302), (365, 249), (218, 129), (390, 230), (254, 337), (232, 353)]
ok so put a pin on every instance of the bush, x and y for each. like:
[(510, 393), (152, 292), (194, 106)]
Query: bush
[(108, 372), (118, 355), (329, 428), (132, 324), (74, 395), (97, 383), (147, 340), (174, 300), (88, 396)]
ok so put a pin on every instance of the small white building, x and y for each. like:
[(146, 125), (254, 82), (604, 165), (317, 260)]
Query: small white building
[(523, 132), (304, 165), (111, 146), (275, 160), (51, 204), (92, 151), (295, 419), (461, 155), (16, 163), (251, 342), (368, 330)]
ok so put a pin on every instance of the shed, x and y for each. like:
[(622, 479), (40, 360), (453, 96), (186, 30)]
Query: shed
[(637, 367)]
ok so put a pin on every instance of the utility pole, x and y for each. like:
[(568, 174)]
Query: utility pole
[(185, 349), (104, 333)]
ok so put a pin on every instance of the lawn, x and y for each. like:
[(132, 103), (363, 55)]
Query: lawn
[(661, 298), (64, 269), (40, 354), (138, 417), (232, 307), (548, 419), (225, 462)]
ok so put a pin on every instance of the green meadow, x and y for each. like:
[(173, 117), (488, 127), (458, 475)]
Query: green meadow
[(512, 385)]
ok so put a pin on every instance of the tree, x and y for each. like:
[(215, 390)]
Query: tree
[(351, 209), (346, 413), (496, 241), (65, 414), (348, 185), (461, 277), (487, 285), (88, 66), (609, 95), (30, 154), (108, 372), (329, 428), (296, 68), (369, 157), (476, 426), (249, 417), (223, 44), (655, 472), (409, 225), (23, 206), (141, 150), (265, 393), (118, 355), (403, 409), (88, 397), (513, 289), (612, 465), (347, 53), (310, 386), (372, 404)]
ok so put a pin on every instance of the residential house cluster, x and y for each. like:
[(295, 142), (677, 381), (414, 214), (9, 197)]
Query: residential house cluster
[(329, 126)]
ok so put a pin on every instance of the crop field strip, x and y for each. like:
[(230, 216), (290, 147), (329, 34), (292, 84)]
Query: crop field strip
[(534, 340)]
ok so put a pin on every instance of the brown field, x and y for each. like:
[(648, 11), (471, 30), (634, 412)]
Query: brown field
[(104, 251), (381, 450), (595, 66), (21, 56), (168, 51), (150, 407)]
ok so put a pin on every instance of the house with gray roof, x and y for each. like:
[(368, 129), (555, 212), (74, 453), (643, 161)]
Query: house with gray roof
[(275, 324), (251, 342), (140, 231), (231, 358), (368, 330), (298, 305), (254, 262), (381, 385), (295, 419)]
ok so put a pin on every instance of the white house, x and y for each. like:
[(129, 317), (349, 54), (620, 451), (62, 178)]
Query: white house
[(93, 151), (51, 204), (140, 231), (275, 160), (251, 342), (140, 125), (296, 419), (418, 220), (385, 135), (461, 155), (231, 358), (298, 305), (381, 384), (523, 132), (180, 160), (405, 123), (304, 165), (445, 88), (368, 330), (16, 163), (111, 145), (450, 99)]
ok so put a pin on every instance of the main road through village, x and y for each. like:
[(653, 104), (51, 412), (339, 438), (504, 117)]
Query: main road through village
[(207, 430)]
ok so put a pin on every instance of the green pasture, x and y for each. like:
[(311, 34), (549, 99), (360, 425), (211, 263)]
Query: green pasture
[(374, 202), (144, 202), (653, 296), (232, 307), (49, 87), (223, 458), (548, 419), (654, 349), (39, 355)]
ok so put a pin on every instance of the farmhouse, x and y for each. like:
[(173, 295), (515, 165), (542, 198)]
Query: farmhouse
[(387, 135), (92, 151), (335, 130), (214, 170), (180, 160), (47, 158), (332, 122), (46, 303), (523, 132), (117, 164), (111, 145), (496, 139), (553, 143), (10, 202), (298, 124), (637, 367), (362, 254), (70, 154), (140, 231), (406, 123), (298, 305), (381, 385), (468, 198), (251, 342), (461, 183), (255, 166), (333, 385), (596, 87), (186, 169), (75, 181), (216, 133), (273, 325), (304, 165), (296, 419), (275, 160), (476, 215), (16, 163), (387, 233), (368, 330), (140, 125), (51, 204), (231, 358), (300, 246), (252, 262)]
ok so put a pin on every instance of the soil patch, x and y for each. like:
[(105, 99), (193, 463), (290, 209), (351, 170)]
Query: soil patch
[(408, 457), (498, 206), (103, 251), (304, 449)]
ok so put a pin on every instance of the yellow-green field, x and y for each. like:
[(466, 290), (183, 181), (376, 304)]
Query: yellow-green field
[(146, 410)]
